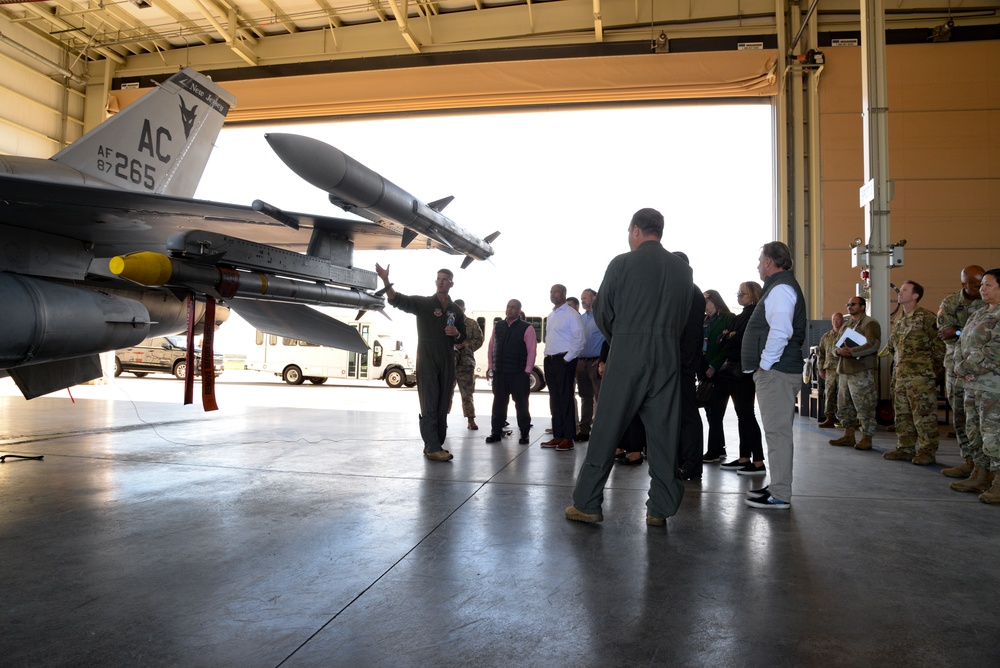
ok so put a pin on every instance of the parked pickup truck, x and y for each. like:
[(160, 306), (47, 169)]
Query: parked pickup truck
[(160, 354)]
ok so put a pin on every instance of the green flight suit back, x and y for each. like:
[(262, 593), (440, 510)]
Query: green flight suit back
[(641, 309)]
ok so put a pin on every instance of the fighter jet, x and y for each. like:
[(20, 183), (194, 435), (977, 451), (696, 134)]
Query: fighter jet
[(358, 189), (104, 245)]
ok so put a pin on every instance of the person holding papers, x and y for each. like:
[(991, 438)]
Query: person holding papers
[(857, 344)]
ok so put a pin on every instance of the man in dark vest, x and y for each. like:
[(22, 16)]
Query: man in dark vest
[(641, 309), (511, 359), (772, 352)]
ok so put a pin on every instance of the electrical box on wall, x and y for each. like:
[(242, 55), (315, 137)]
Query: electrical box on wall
[(896, 256), (859, 256)]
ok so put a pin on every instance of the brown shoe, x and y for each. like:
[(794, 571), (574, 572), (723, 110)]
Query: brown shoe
[(846, 439), (864, 444), (472, 424), (924, 457), (654, 521), (564, 445), (898, 454), (961, 471), (439, 456), (992, 495), (579, 516), (978, 481), (551, 443), (827, 423)]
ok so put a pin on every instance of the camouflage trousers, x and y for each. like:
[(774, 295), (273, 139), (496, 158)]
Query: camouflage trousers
[(856, 400), (982, 412), (465, 378), (830, 388), (955, 387), (914, 399)]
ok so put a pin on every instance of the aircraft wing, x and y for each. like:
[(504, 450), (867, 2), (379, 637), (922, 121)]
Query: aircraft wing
[(120, 221), (103, 245)]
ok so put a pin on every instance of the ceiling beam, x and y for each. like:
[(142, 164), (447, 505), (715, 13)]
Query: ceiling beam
[(183, 21), (402, 20), (57, 22), (238, 45)]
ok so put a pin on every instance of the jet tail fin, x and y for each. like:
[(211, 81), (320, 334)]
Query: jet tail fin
[(158, 144)]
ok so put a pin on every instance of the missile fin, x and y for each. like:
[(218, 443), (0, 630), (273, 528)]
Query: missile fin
[(433, 234), (439, 205), (467, 261), (408, 236), (274, 212), (493, 236)]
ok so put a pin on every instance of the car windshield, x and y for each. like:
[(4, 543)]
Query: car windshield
[(179, 341)]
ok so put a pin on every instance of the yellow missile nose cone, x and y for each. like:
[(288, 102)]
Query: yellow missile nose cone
[(145, 268)]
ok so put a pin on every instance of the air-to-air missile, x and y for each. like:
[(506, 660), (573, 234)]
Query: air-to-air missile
[(357, 189)]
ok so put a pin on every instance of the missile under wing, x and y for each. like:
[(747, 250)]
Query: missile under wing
[(125, 188), (357, 189)]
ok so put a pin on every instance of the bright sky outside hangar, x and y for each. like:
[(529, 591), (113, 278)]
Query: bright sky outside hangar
[(560, 186)]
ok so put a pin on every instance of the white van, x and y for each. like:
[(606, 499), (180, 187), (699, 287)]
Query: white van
[(486, 319), (297, 361)]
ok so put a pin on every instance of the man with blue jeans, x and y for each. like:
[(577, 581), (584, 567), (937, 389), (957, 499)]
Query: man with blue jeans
[(772, 352)]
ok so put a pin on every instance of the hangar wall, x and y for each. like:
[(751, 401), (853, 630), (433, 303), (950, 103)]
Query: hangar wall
[(944, 161), (39, 114)]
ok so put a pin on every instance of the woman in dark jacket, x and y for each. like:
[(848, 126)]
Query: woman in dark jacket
[(740, 386), (717, 320)]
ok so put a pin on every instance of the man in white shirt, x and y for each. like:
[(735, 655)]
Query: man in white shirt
[(563, 345), (772, 352)]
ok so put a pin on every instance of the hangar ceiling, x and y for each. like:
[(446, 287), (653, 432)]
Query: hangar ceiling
[(279, 37)]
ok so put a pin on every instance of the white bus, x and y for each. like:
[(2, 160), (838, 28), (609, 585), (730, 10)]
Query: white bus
[(298, 361), (486, 319)]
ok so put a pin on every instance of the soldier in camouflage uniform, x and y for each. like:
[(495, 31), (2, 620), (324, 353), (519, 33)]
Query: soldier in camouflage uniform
[(828, 370), (977, 362), (919, 357), (951, 318), (465, 366), (856, 396)]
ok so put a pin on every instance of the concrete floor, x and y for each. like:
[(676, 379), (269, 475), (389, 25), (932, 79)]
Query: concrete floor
[(300, 526)]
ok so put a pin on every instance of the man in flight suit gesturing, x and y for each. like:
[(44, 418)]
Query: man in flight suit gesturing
[(440, 325)]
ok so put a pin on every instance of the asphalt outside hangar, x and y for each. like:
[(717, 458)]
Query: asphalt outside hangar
[(300, 526)]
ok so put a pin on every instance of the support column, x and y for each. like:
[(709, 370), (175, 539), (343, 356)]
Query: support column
[(798, 150), (98, 88), (875, 113)]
